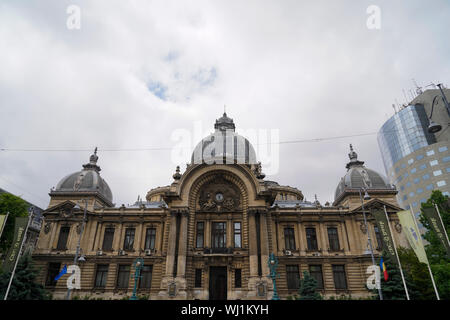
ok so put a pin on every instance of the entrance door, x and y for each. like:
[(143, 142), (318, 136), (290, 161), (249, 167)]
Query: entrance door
[(218, 283)]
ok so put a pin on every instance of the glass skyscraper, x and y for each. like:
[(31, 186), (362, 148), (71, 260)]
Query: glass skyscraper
[(404, 133), (416, 161)]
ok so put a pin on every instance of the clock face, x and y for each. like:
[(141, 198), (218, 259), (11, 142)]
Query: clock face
[(219, 197)]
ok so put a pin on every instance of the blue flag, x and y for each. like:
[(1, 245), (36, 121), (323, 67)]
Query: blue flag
[(63, 272)]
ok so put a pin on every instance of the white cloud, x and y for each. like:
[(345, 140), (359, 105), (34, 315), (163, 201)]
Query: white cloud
[(310, 70)]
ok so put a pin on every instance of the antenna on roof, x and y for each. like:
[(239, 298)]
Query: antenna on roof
[(393, 106), (418, 89), (406, 102)]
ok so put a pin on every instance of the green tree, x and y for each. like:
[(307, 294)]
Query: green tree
[(436, 253), (17, 207), (308, 288), (393, 288), (420, 287), (23, 286)]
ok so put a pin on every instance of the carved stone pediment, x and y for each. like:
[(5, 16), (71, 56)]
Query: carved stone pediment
[(219, 196)]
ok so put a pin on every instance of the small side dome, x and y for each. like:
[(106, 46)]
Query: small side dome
[(224, 146), (358, 176), (86, 180)]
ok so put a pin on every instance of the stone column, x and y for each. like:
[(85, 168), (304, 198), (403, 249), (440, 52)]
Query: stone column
[(171, 245), (264, 242), (182, 246), (253, 249)]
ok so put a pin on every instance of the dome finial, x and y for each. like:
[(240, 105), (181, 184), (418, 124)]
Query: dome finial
[(353, 158), (93, 159), (224, 123), (352, 155)]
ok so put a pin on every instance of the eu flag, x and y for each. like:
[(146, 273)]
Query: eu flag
[(63, 272)]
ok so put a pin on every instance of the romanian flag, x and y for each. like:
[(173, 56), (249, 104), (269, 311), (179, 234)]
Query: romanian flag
[(383, 268)]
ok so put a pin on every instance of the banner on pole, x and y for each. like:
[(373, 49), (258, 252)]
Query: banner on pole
[(2, 223), (386, 236), (20, 226), (412, 234), (437, 226)]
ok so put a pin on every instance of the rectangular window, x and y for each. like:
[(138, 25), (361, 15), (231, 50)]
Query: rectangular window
[(441, 183), (423, 166), (100, 275), (52, 272), (150, 238), (316, 272), (219, 235), (237, 235), (200, 235), (311, 238), (129, 239), (237, 278), (292, 277), (437, 173), (410, 161), (430, 153), (434, 163), (289, 238), (442, 149), (145, 282), (123, 276), (419, 157), (426, 177), (108, 239), (446, 159), (379, 239), (63, 237), (198, 278), (340, 281), (333, 239), (413, 170)]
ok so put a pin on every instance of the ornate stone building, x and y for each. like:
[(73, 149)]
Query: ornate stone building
[(209, 234)]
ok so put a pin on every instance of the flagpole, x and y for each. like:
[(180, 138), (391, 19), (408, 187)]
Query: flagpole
[(396, 254), (442, 222), (4, 224), (428, 264), (18, 257)]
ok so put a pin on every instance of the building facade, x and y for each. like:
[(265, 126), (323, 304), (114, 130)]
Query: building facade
[(417, 161), (209, 234)]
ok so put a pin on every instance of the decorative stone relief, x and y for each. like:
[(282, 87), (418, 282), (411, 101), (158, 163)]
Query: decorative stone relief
[(219, 196)]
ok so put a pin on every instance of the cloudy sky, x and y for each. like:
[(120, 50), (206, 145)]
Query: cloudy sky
[(137, 73)]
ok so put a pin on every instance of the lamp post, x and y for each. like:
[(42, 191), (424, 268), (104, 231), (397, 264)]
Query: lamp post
[(138, 264), (273, 264), (434, 127), (77, 252), (367, 197)]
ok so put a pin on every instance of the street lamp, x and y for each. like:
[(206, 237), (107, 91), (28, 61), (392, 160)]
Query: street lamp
[(369, 240), (434, 127), (273, 264), (138, 264), (77, 252)]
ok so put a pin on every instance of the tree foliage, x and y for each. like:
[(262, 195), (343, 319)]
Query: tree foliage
[(308, 288), (436, 253), (23, 286), (17, 207)]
